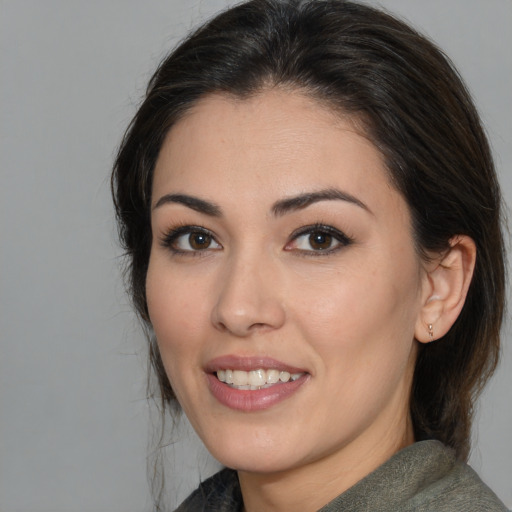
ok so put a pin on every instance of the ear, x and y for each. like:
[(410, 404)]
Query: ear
[(446, 285)]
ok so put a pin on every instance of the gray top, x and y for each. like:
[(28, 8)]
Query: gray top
[(424, 477)]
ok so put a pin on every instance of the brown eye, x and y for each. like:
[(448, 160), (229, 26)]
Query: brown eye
[(320, 241), (190, 239), (199, 241)]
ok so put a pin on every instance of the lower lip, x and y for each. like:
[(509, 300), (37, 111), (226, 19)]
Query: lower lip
[(256, 400)]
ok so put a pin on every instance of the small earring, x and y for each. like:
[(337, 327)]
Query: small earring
[(430, 333)]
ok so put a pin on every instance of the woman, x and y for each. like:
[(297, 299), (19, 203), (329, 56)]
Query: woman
[(312, 220)]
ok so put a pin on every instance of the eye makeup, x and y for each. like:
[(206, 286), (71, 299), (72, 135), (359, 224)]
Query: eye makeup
[(318, 239)]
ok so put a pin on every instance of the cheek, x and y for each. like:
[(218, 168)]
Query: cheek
[(363, 315), (362, 333), (174, 310)]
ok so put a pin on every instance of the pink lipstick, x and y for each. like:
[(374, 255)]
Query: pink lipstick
[(253, 383)]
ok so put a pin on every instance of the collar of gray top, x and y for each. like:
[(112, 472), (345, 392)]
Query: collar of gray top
[(423, 477)]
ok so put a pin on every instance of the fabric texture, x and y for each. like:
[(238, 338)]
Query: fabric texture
[(424, 477)]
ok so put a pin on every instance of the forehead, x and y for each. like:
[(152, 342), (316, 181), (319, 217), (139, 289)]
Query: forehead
[(280, 141)]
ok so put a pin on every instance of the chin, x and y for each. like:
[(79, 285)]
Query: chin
[(251, 453), (262, 463), (267, 462)]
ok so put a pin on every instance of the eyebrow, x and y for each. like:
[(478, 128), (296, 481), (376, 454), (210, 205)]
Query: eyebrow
[(279, 208), (304, 200), (199, 205)]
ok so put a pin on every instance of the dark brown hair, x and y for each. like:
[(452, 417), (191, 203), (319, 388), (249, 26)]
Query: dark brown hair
[(414, 108)]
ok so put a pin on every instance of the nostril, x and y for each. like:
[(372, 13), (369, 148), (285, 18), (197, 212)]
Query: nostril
[(244, 310), (221, 326)]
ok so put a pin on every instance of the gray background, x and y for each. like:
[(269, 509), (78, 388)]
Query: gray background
[(73, 414)]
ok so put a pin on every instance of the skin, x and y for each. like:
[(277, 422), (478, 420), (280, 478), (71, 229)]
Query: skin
[(347, 316)]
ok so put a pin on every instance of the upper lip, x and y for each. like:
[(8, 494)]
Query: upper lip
[(248, 363)]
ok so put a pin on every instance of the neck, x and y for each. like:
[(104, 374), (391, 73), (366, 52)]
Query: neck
[(311, 486)]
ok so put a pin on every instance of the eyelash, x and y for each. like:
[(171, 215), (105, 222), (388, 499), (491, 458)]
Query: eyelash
[(341, 238), (169, 240)]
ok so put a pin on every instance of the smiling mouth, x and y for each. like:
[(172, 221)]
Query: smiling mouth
[(255, 379)]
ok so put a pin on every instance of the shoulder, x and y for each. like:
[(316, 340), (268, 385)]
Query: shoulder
[(221, 493), (459, 490), (445, 484), (424, 477)]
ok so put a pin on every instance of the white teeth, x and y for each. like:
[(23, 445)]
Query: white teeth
[(284, 376), (255, 379), (240, 378), (272, 376)]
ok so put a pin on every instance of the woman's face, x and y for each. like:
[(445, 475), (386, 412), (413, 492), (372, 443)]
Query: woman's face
[(283, 259)]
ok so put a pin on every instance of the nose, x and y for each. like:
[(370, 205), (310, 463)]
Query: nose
[(249, 299)]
